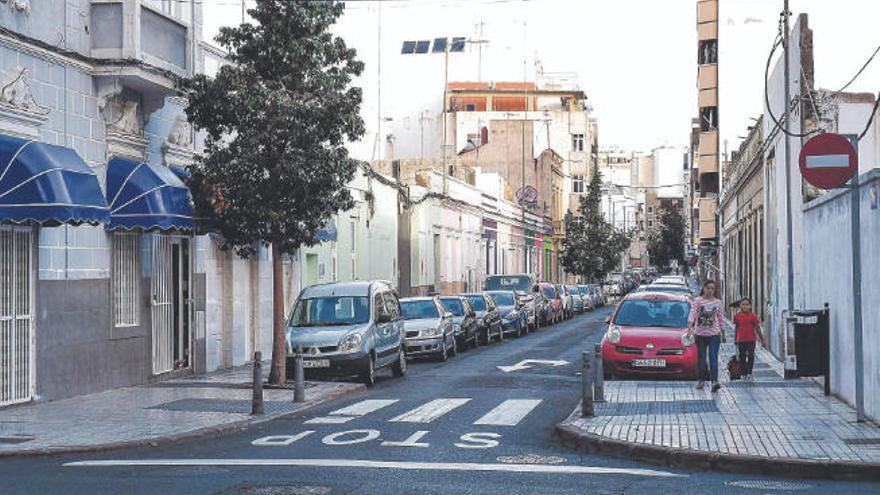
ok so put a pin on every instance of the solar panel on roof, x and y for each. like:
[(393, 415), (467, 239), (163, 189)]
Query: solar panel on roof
[(439, 45), (422, 46), (408, 47), (457, 45)]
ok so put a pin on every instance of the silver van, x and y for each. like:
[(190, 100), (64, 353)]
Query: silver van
[(348, 328)]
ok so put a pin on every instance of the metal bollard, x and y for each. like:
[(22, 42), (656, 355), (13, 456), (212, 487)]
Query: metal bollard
[(257, 401), (599, 377), (299, 386), (587, 387)]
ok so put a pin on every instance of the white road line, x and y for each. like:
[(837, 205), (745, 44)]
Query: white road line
[(359, 463), (329, 420), (509, 412), (363, 407), (429, 411)]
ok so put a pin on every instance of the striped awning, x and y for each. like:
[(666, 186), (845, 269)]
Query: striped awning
[(147, 197)]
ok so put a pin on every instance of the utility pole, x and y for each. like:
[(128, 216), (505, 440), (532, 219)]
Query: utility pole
[(787, 124)]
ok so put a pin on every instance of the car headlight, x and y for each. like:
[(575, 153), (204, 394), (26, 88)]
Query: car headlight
[(433, 331), (350, 342), (686, 340), (613, 334)]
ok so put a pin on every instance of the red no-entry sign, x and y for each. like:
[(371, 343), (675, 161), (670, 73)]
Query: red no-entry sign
[(828, 161)]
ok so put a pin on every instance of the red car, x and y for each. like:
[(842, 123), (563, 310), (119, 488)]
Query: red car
[(647, 337), (552, 295)]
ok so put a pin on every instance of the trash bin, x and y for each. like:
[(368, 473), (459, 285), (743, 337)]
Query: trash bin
[(811, 341)]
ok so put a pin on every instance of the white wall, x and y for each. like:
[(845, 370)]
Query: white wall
[(668, 167)]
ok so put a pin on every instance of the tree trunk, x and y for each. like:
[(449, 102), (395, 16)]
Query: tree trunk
[(277, 375)]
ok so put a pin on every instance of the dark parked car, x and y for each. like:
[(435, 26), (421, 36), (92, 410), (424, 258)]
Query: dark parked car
[(514, 316), (488, 316), (464, 319)]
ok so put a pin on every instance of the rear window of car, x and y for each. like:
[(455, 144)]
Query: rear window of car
[(653, 313), (666, 288), (416, 310), (502, 298), (548, 291), (573, 291), (453, 305)]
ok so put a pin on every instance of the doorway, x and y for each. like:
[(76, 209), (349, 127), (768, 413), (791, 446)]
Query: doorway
[(170, 304), (16, 310)]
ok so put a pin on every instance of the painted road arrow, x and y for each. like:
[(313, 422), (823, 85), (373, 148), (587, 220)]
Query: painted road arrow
[(529, 363)]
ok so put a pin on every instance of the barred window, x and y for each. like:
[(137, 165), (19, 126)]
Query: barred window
[(126, 278)]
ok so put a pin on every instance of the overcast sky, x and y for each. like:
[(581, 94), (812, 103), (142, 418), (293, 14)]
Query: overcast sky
[(635, 59)]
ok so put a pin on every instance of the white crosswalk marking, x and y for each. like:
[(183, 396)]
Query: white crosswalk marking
[(329, 420), (508, 413), (429, 411), (364, 407)]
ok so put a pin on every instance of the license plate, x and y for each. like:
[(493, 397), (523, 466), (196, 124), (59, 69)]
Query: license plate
[(649, 363), (316, 363)]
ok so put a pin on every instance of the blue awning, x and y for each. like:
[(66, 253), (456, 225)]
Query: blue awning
[(143, 196), (47, 184)]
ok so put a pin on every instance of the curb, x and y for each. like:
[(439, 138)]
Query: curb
[(715, 461), (206, 432)]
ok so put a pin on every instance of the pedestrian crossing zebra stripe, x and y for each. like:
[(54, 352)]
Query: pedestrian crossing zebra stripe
[(364, 407), (329, 420), (509, 412), (429, 411)]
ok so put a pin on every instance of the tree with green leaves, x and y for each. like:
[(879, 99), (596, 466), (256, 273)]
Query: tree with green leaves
[(592, 247), (667, 243), (276, 118)]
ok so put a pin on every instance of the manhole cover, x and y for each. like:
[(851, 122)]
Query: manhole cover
[(531, 459), (285, 490), (769, 485)]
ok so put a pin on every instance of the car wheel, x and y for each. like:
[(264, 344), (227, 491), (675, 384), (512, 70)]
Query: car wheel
[(444, 352), (500, 333), (399, 368), (454, 347), (519, 330), (476, 341), (368, 376)]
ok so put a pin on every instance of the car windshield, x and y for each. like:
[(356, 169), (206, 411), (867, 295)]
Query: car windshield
[(614, 277), (454, 306), (548, 291), (573, 291), (477, 302), (416, 310), (331, 311), (584, 289), (653, 313), (503, 298), (521, 283)]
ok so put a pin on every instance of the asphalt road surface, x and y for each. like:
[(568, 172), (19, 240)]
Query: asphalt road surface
[(461, 427)]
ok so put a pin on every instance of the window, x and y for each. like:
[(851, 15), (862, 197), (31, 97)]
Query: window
[(177, 9), (708, 52), (439, 45), (650, 209), (470, 107), (352, 235), (577, 184), (126, 278), (577, 142), (650, 223)]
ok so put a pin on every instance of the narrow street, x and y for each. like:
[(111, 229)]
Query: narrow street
[(465, 426)]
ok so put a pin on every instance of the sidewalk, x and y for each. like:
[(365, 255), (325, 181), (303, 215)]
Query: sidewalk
[(770, 426), (150, 414)]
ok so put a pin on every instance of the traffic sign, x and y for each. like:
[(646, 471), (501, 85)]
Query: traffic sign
[(828, 161)]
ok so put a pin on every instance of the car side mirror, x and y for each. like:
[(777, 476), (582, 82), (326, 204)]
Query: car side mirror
[(607, 319)]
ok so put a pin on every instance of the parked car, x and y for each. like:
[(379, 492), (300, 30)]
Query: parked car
[(429, 328), (647, 336), (587, 295), (514, 318), (464, 320), (567, 303), (614, 284), (554, 314), (577, 300), (668, 288), (522, 285), (347, 328), (599, 297), (488, 317)]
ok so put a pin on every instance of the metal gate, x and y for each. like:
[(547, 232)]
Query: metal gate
[(162, 305), (16, 328)]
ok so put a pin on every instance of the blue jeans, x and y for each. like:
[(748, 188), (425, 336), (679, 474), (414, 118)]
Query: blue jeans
[(711, 344)]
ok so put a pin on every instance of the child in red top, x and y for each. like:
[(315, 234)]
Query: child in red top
[(748, 330)]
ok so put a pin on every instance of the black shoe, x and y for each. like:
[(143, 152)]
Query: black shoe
[(716, 387)]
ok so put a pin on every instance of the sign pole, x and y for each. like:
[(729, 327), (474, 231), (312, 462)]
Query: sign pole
[(858, 358)]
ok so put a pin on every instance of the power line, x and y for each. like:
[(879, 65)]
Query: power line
[(788, 104), (859, 73), (871, 118)]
